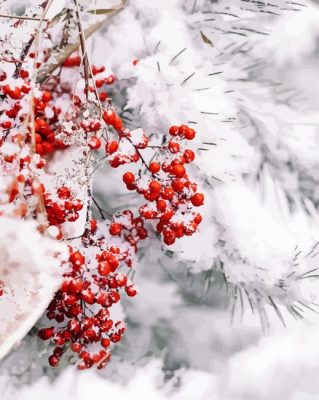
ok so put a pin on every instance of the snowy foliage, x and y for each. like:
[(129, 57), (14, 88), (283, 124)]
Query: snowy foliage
[(30, 269), (243, 74)]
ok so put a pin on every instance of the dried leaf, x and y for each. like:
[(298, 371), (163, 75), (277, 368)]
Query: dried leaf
[(206, 39), (59, 16), (101, 11), (63, 53)]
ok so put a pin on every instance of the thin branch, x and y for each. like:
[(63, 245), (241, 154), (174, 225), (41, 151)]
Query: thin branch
[(83, 49), (60, 56), (22, 17)]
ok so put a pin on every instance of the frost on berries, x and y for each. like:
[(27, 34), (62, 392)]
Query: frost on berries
[(71, 110)]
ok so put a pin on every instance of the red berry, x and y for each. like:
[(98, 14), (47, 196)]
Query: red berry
[(169, 237), (3, 75), (154, 167), (167, 193), (189, 134), (99, 83), (173, 147), (58, 351), (109, 80), (94, 143), (103, 96), (105, 342), (111, 147), (76, 347), (198, 219), (178, 170), (15, 94), (77, 259), (102, 298), (128, 178), (76, 285), (88, 296), (93, 225), (6, 125), (115, 229), (109, 117), (85, 356), (121, 279), (70, 299), (155, 186), (24, 74), (46, 333), (197, 200), (161, 205), (46, 96), (64, 192), (189, 156), (173, 130), (53, 361), (178, 185), (118, 124), (167, 215), (142, 233), (115, 297), (190, 228), (104, 268), (131, 290), (74, 326), (182, 129)]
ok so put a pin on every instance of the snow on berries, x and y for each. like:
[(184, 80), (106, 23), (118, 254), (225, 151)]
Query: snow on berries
[(81, 308), (42, 121), (64, 208), (172, 197)]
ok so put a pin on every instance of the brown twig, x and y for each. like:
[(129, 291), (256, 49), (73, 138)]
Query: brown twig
[(22, 17), (83, 49), (87, 65), (67, 50)]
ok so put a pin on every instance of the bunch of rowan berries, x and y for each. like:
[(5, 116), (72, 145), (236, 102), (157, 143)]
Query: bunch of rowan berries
[(171, 195), (64, 208), (36, 122), (81, 307)]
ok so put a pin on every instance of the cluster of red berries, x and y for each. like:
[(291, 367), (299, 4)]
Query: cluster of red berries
[(116, 151), (131, 229), (81, 307), (65, 208), (75, 61), (171, 195), (45, 140), (11, 96), (45, 117)]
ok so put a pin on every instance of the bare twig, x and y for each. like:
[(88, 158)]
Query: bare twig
[(22, 17), (83, 49), (86, 62), (59, 57)]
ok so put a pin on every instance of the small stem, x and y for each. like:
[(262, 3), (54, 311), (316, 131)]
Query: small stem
[(22, 17), (12, 60), (138, 152), (83, 49), (100, 209), (86, 61), (75, 237), (25, 51)]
